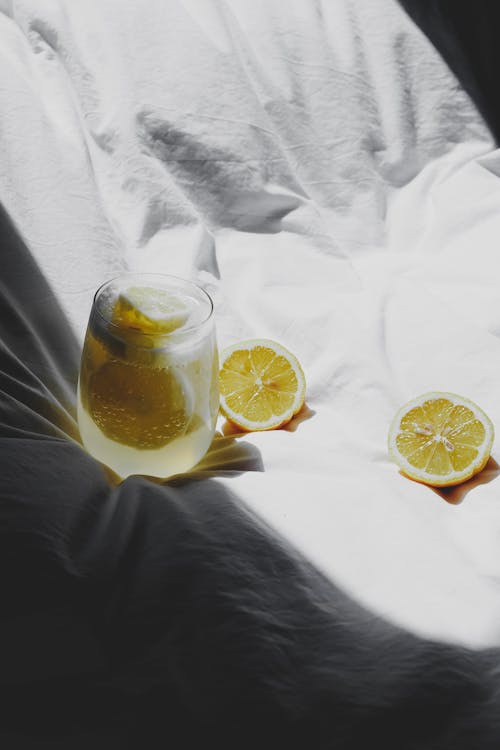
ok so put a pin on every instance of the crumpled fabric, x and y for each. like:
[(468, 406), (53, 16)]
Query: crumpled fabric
[(324, 176)]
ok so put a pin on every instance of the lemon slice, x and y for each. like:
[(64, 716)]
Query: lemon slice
[(148, 310), (262, 385), (142, 407), (440, 439)]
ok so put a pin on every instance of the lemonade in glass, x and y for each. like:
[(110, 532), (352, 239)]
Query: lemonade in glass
[(148, 394)]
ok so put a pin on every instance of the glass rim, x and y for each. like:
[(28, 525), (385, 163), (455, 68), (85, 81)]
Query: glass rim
[(147, 334)]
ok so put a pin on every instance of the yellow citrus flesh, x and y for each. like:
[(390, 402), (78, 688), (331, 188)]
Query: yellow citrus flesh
[(262, 384), (440, 439), (148, 310), (136, 405)]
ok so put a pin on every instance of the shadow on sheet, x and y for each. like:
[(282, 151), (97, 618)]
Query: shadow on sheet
[(466, 36)]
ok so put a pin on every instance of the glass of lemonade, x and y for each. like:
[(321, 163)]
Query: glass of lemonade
[(148, 394)]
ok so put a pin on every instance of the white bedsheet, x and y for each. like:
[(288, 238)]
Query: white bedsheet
[(319, 170)]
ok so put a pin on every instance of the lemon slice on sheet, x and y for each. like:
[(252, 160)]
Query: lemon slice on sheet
[(440, 439), (262, 384), (148, 310)]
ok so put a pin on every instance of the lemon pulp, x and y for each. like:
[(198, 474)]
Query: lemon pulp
[(262, 384), (441, 438)]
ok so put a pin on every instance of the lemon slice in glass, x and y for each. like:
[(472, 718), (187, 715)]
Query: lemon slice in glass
[(139, 406), (262, 384), (440, 439), (148, 310)]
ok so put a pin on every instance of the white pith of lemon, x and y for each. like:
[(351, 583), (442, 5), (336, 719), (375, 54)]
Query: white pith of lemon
[(262, 385), (440, 438)]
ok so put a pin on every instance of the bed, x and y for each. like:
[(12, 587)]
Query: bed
[(326, 177)]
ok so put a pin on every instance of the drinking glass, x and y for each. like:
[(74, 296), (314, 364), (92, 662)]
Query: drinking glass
[(148, 394)]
